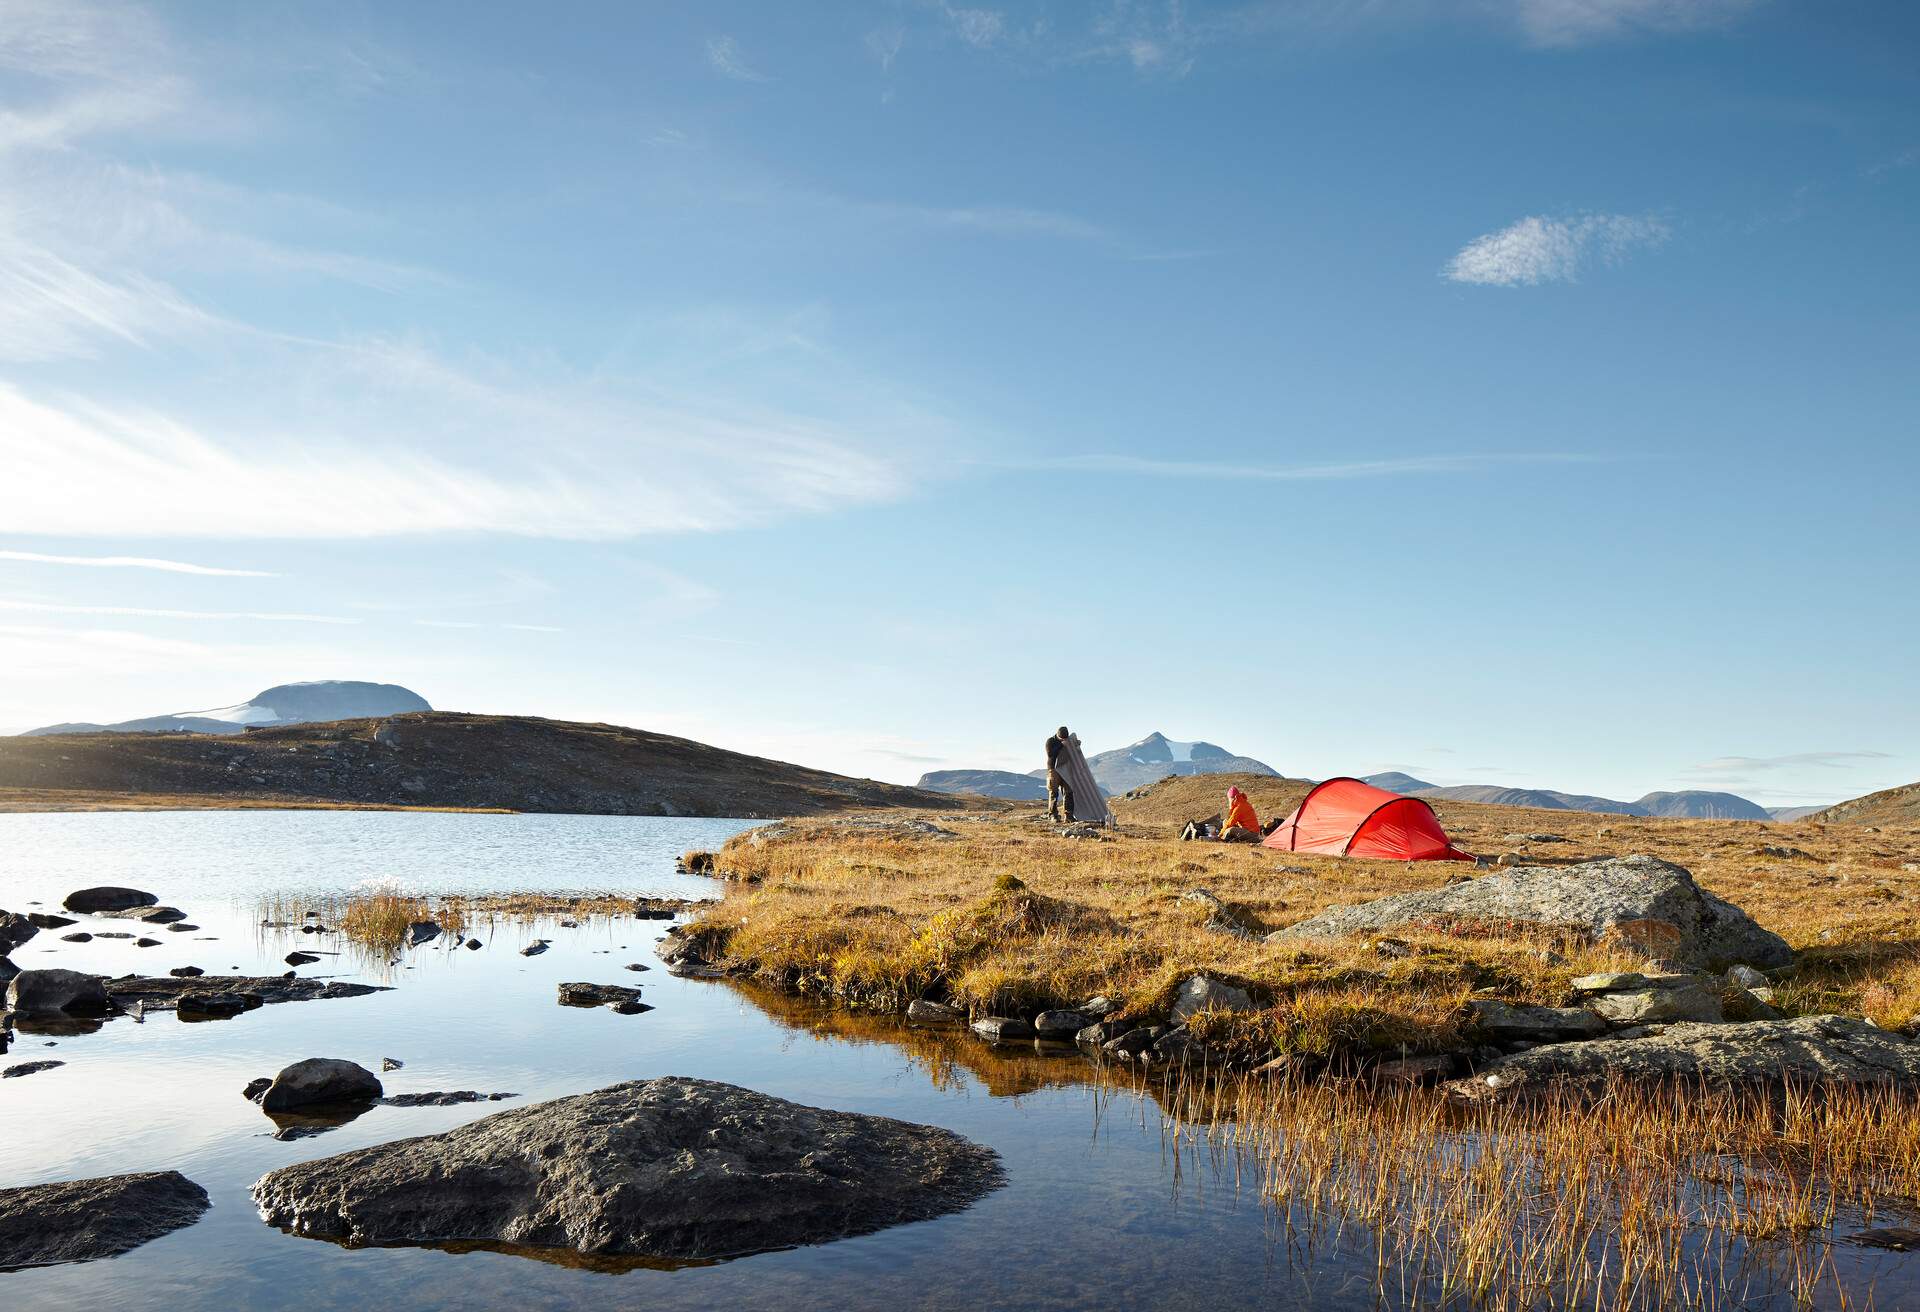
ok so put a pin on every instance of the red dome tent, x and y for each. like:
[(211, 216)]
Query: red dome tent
[(1347, 817)]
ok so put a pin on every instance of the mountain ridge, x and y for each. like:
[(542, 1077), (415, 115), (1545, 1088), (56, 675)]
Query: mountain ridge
[(285, 703)]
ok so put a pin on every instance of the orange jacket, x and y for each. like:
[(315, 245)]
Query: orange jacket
[(1240, 811)]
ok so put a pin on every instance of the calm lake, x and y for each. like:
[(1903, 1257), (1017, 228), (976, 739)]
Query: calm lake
[(1099, 1212)]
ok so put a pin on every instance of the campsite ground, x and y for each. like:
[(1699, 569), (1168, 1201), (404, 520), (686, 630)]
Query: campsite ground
[(1009, 915)]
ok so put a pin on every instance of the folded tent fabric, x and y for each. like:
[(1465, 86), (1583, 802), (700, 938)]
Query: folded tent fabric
[(1348, 817), (1089, 803)]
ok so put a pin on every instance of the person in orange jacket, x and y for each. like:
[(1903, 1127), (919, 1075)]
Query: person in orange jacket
[(1240, 815)]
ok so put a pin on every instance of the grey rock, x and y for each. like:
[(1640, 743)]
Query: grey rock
[(534, 948), (1219, 919), (390, 1064), (1413, 1070), (51, 992), (1098, 1006), (1667, 998), (921, 1011), (186, 972), (1536, 838), (1200, 994), (300, 958), (1593, 897), (444, 1098), (1747, 977), (80, 1220), (1059, 1024), (473, 945), (28, 1068), (1133, 1041), (80, 936), (636, 965), (1609, 980), (668, 1168), (1781, 853), (320, 1080), (107, 898), (255, 1088), (1810, 1050), (1002, 1029), (212, 1006), (7, 969), (146, 942), (15, 930), (1505, 1022), (162, 992), (147, 915), (182, 927), (422, 931), (596, 995), (47, 920)]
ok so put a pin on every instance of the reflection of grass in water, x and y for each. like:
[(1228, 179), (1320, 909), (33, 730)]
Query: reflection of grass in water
[(380, 920), (1640, 1196), (376, 920)]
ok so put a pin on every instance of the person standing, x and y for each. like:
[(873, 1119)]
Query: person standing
[(1059, 795)]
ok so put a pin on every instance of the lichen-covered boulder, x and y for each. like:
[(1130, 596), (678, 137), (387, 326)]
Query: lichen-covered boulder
[(1632, 895)]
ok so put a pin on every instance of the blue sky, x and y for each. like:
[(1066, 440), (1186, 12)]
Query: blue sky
[(1501, 390)]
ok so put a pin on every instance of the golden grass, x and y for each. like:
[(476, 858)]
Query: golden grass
[(1646, 1196), (1009, 916)]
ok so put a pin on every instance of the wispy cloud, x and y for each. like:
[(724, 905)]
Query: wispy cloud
[(475, 624), (151, 612), (725, 58), (1734, 766), (136, 562), (1391, 467), (1577, 22), (1539, 249)]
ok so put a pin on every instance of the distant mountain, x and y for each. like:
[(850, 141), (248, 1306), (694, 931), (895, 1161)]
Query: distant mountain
[(1395, 782), (1793, 812), (1689, 804), (1004, 784), (1156, 756), (1891, 806), (286, 703)]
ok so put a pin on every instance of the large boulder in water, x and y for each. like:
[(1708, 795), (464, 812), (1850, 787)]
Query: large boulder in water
[(319, 1081), (108, 897), (1810, 1050), (51, 992), (665, 1168), (79, 1220), (1653, 904)]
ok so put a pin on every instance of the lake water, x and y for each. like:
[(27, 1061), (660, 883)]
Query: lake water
[(1094, 1215)]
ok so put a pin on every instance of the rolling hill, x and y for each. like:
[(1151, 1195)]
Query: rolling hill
[(1890, 806), (1003, 784), (430, 759)]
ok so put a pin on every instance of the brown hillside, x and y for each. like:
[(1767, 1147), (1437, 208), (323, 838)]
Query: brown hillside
[(1891, 806), (431, 759)]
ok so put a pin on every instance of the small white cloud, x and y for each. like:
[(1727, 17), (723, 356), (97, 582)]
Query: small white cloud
[(136, 562), (885, 43), (726, 59), (1575, 22), (1539, 249), (156, 613), (977, 27)]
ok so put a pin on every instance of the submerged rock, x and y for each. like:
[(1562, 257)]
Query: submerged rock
[(28, 1068), (106, 898), (149, 915), (1640, 899), (80, 1220), (318, 1081), (597, 995), (161, 992), (443, 1098), (1811, 1050), (668, 1168), (47, 920)]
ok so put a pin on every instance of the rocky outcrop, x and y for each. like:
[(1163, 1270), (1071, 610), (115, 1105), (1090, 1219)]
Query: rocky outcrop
[(669, 1168), (80, 1220), (162, 993), (1811, 1050), (108, 897), (1645, 902), (320, 1081)]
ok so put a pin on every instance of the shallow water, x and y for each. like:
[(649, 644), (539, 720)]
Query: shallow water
[(1095, 1213)]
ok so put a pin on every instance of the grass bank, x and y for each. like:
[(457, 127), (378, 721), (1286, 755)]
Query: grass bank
[(1006, 916)]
